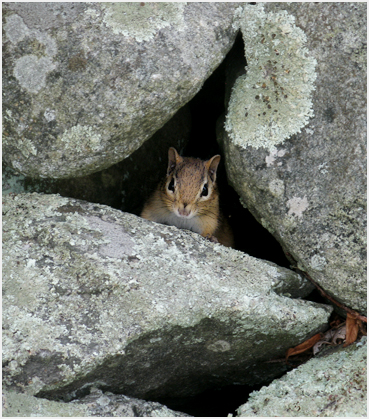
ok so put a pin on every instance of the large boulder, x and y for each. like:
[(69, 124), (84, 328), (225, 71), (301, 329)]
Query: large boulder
[(307, 188), (331, 385), (93, 297), (85, 84)]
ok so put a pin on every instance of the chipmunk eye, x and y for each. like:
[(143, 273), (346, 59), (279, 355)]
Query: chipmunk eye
[(205, 190), (171, 185)]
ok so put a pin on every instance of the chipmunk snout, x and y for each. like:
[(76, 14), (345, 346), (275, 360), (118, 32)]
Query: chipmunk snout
[(184, 210)]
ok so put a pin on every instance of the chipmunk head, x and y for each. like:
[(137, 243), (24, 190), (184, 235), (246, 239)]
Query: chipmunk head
[(191, 185)]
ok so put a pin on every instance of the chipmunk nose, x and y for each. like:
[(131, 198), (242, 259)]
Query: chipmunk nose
[(185, 212)]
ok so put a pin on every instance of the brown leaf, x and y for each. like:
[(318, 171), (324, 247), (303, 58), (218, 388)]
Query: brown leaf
[(304, 346), (352, 328), (362, 328)]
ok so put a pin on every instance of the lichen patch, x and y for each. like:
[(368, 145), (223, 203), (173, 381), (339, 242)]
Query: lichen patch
[(142, 20), (297, 206), (71, 139), (31, 72), (274, 99)]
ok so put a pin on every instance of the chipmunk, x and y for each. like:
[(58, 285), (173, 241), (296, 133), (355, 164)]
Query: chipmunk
[(188, 198)]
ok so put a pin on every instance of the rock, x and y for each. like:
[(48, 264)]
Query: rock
[(309, 191), (333, 385), (93, 297), (24, 405), (273, 101), (124, 185), (85, 84), (108, 404), (95, 404)]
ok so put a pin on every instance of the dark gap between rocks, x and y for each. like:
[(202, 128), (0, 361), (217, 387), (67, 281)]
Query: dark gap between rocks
[(250, 236), (206, 107), (217, 402)]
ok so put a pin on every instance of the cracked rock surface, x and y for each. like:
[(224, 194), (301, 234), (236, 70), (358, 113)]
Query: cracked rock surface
[(93, 297)]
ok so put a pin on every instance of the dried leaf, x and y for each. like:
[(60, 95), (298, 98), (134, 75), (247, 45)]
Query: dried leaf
[(304, 346), (362, 328), (352, 328)]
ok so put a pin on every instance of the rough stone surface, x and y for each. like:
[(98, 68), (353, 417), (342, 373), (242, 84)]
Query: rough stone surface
[(124, 185), (95, 404), (85, 84), (273, 101), (332, 385), (96, 297), (309, 192)]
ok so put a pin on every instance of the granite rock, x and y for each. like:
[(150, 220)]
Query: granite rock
[(96, 403), (309, 191), (86, 84), (93, 297), (331, 385)]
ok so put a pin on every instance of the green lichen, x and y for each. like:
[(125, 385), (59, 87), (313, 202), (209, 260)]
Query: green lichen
[(142, 20), (333, 385), (273, 100), (72, 139)]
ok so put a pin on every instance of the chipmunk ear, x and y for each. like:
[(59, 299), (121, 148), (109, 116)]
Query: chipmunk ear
[(212, 166), (173, 159)]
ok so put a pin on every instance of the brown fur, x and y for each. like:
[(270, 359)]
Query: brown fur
[(180, 200)]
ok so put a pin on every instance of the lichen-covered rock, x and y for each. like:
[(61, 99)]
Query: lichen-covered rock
[(273, 100), (96, 297), (95, 404), (310, 190), (332, 385), (108, 404), (85, 84)]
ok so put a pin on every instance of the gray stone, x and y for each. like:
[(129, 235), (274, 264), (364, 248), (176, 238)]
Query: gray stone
[(95, 404), (332, 385), (273, 101), (108, 404), (24, 405), (81, 94), (310, 190), (93, 297)]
